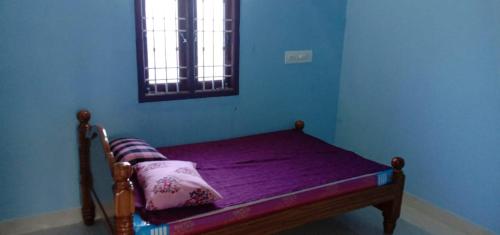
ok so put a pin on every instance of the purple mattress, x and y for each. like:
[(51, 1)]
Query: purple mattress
[(257, 167)]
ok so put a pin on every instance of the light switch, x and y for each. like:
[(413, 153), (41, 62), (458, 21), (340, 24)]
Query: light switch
[(296, 57)]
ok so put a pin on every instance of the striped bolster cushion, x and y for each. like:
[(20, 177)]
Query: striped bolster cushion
[(134, 151)]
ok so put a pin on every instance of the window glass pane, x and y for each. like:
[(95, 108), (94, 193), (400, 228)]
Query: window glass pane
[(210, 40), (162, 41)]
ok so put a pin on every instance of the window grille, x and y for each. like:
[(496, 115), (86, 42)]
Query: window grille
[(187, 48)]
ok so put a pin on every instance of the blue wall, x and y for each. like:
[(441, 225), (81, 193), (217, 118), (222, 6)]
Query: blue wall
[(58, 56), (422, 79)]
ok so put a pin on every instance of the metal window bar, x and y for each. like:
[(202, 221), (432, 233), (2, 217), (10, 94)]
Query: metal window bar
[(165, 54), (213, 45), (161, 93), (176, 23), (144, 47), (203, 42), (176, 18), (198, 66), (176, 30), (228, 20), (175, 67), (223, 76), (223, 43), (154, 53), (218, 31), (180, 78)]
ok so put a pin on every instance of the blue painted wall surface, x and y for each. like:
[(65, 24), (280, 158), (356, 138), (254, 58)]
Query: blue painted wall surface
[(422, 79), (58, 56)]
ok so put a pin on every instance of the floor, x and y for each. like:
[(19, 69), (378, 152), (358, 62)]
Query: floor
[(362, 222)]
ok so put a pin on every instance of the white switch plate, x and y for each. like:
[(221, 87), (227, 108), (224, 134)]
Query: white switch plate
[(297, 57)]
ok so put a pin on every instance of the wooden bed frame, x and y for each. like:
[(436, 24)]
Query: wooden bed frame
[(387, 198)]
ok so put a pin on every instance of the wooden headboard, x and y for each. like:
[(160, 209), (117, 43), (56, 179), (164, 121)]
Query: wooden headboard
[(121, 172), (88, 132)]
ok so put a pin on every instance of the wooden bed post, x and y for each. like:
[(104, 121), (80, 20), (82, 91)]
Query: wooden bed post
[(123, 198), (88, 208), (391, 210)]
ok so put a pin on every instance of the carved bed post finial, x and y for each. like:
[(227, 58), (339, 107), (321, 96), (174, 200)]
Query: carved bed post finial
[(83, 116), (88, 208), (123, 198), (398, 176), (398, 163), (299, 125)]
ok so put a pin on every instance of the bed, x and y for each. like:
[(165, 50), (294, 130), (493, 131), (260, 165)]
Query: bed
[(270, 182)]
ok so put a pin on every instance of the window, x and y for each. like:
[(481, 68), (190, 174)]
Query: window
[(187, 48)]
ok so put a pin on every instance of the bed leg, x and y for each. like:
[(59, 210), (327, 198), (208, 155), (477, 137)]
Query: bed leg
[(391, 210), (123, 198), (88, 208)]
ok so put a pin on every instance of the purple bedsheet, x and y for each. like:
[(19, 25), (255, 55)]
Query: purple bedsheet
[(255, 167)]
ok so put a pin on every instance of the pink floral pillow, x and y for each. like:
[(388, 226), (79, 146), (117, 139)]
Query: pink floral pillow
[(169, 184)]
